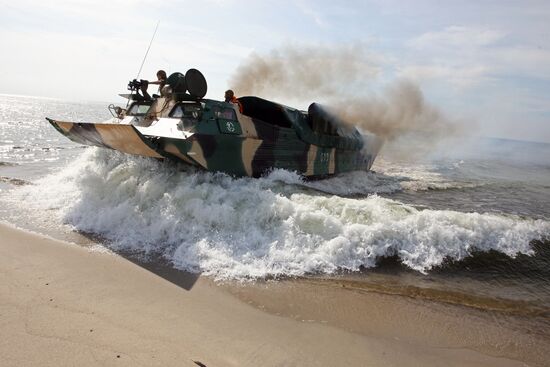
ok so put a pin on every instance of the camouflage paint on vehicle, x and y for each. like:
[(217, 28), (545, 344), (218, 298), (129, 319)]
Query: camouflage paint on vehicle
[(215, 136), (124, 138)]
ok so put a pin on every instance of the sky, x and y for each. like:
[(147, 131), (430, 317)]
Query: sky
[(485, 64)]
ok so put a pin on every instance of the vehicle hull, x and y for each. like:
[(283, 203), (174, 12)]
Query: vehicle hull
[(124, 138), (232, 154)]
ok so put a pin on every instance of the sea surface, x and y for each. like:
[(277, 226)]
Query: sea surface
[(469, 225)]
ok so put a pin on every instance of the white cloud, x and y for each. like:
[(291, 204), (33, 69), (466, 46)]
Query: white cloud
[(457, 36), (312, 13), (489, 75), (528, 61), (468, 56), (461, 77)]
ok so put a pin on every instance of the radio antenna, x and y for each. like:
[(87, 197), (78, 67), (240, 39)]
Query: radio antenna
[(148, 48)]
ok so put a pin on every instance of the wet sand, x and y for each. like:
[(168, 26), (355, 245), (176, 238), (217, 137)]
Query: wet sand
[(62, 304), (416, 319)]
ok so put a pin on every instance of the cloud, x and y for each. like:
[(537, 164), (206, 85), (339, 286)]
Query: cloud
[(312, 13), (459, 76), (457, 36), (466, 57), (521, 61)]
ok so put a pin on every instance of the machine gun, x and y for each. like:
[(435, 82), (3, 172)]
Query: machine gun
[(135, 85)]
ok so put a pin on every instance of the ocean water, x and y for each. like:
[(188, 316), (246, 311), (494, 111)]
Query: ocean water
[(468, 225)]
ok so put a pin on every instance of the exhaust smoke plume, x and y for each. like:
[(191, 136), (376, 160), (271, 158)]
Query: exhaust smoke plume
[(305, 72), (343, 78)]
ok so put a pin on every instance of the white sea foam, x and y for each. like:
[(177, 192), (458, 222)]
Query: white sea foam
[(277, 225), (389, 177), (422, 177)]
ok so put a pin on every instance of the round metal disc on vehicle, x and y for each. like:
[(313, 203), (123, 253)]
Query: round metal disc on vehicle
[(196, 83), (177, 82)]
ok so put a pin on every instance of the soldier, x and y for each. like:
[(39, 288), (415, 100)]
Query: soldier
[(230, 98), (161, 76), (143, 88)]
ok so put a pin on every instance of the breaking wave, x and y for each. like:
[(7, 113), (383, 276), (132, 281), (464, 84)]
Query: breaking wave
[(277, 225)]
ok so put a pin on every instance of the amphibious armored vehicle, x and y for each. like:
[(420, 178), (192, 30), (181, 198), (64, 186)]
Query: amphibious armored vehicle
[(181, 124)]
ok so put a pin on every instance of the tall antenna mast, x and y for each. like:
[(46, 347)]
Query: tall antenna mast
[(148, 48)]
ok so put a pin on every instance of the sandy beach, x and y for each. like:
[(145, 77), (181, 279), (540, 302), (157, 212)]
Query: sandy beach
[(64, 305)]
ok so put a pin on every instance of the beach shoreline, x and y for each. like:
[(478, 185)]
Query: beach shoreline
[(63, 304)]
